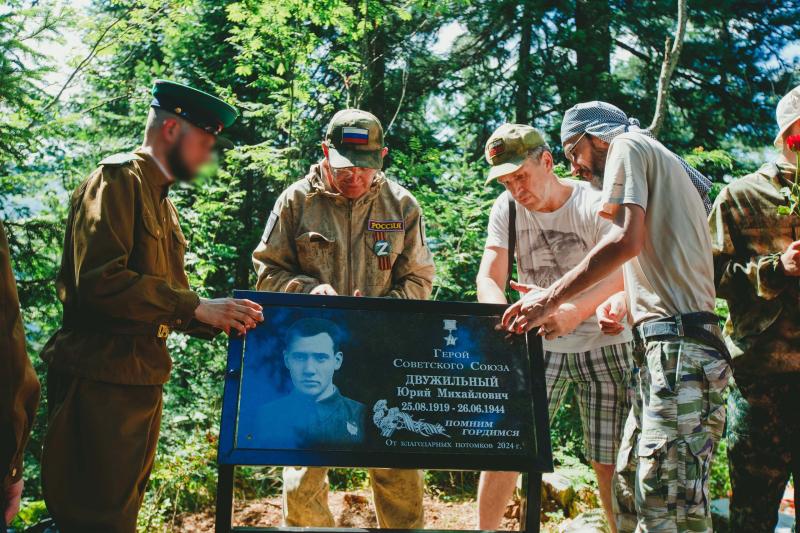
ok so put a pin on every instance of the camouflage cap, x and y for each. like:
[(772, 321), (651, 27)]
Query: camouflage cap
[(355, 139), (508, 147)]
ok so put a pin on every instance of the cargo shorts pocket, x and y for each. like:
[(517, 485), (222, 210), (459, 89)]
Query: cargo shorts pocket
[(626, 460), (696, 462), (658, 374), (650, 476), (716, 376)]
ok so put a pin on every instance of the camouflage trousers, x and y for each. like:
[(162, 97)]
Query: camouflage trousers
[(676, 421), (763, 448)]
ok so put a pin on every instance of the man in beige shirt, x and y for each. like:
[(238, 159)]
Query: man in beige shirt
[(661, 239)]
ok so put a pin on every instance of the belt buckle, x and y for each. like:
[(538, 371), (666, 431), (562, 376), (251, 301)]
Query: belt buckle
[(679, 324), (163, 331)]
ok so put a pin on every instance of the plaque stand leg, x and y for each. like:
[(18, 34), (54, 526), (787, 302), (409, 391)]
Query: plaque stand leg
[(224, 520), (531, 502)]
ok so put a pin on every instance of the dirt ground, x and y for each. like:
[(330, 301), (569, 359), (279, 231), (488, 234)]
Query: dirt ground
[(351, 509)]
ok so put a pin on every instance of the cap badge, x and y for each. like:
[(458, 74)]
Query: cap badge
[(496, 148), (352, 135)]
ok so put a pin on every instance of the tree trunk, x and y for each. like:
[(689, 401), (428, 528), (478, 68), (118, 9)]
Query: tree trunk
[(672, 51), (593, 49), (376, 73), (523, 75)]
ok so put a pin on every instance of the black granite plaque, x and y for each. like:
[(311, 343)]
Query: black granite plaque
[(326, 376)]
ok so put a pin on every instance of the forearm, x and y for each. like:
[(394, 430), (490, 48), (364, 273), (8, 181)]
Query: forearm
[(489, 292), (278, 280), (589, 300), (122, 293), (603, 261), (277, 267), (412, 287)]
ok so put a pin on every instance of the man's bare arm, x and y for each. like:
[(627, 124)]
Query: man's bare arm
[(620, 245), (492, 276)]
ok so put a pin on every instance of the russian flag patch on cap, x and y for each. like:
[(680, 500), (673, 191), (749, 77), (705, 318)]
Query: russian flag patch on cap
[(352, 135)]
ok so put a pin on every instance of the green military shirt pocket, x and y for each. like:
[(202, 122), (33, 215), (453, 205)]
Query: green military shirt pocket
[(150, 251), (316, 254), (178, 240)]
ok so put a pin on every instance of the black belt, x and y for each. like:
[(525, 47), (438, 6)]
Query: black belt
[(696, 326), (118, 327)]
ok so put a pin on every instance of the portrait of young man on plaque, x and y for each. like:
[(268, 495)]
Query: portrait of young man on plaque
[(355, 379), (314, 412)]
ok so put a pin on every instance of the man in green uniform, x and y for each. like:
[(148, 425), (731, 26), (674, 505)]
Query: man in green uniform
[(314, 413), (123, 289), (757, 267), (19, 388), (346, 229)]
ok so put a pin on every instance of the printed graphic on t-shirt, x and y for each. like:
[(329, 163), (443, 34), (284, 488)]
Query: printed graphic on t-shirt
[(554, 252)]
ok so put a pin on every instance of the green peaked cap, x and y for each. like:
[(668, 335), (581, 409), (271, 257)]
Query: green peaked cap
[(204, 110), (508, 147)]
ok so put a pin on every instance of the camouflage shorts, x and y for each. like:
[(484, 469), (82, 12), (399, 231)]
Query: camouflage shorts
[(670, 436)]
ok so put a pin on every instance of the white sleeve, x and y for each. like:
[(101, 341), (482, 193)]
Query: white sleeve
[(497, 233), (602, 225), (625, 177)]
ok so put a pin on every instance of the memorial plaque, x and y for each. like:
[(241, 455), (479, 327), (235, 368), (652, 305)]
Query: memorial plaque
[(384, 383), (342, 381)]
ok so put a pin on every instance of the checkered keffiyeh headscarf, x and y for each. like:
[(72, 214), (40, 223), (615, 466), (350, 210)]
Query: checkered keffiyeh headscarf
[(606, 121)]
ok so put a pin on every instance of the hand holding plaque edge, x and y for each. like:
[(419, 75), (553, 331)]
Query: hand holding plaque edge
[(229, 314)]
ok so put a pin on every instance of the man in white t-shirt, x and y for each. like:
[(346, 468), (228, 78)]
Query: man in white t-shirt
[(661, 237), (555, 225)]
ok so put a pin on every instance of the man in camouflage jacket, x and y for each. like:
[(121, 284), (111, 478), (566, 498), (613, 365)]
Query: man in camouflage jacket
[(757, 270), (347, 229)]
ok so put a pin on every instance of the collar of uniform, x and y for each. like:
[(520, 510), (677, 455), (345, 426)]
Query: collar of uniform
[(320, 185), (327, 400), (158, 176)]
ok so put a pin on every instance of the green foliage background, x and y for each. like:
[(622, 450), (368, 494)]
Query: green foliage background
[(288, 65)]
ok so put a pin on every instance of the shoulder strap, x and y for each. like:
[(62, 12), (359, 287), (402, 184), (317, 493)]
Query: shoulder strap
[(512, 238)]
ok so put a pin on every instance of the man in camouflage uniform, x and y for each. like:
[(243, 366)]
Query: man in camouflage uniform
[(123, 289), (661, 240), (757, 260), (347, 229)]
